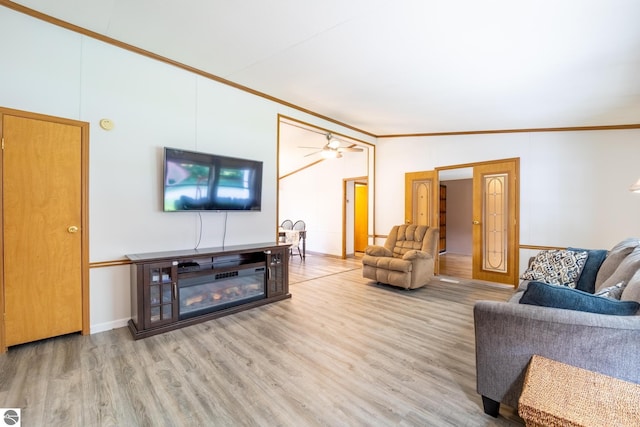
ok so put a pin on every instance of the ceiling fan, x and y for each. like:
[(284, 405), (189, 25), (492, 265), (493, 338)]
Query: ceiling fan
[(333, 148)]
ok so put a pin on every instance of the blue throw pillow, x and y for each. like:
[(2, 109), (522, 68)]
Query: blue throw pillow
[(587, 280), (546, 295)]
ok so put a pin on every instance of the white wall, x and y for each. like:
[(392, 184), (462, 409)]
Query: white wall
[(573, 186), (49, 70), (315, 195)]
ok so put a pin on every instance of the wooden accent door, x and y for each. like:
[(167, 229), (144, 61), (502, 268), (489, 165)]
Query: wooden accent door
[(361, 217), (421, 202), (496, 236), (44, 263), (495, 224), (421, 198)]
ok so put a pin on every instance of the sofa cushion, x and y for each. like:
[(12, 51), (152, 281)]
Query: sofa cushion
[(388, 263), (613, 292), (625, 271), (546, 295), (375, 250), (616, 255), (558, 267), (631, 292), (407, 237), (413, 254), (587, 280)]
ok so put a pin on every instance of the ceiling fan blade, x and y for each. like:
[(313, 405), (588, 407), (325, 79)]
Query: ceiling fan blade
[(314, 148), (311, 154)]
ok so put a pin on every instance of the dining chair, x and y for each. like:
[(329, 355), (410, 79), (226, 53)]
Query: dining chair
[(292, 237)]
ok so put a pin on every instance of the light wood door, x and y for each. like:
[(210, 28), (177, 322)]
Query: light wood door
[(421, 198), (42, 200), (495, 215), (421, 202), (361, 217), (495, 221)]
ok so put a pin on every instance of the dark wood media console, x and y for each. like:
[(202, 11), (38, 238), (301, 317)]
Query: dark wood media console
[(170, 290)]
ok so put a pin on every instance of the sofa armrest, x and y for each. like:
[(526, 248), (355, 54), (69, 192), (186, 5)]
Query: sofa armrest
[(508, 334), (416, 254), (375, 250)]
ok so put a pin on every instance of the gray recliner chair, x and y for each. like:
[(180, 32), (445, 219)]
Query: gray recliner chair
[(406, 260)]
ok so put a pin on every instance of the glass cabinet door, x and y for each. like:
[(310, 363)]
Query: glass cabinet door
[(277, 272), (161, 294)]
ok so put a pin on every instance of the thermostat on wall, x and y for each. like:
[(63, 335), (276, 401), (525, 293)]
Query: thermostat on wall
[(106, 124)]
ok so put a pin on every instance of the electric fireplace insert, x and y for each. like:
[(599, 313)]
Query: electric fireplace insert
[(210, 292)]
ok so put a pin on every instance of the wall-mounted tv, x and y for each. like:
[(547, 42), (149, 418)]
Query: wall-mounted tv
[(196, 181)]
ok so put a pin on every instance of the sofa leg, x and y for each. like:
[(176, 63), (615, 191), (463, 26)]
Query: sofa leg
[(491, 407)]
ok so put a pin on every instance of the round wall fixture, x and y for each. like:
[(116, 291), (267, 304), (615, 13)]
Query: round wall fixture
[(106, 124)]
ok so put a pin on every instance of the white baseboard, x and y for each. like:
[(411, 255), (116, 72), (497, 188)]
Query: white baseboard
[(107, 326)]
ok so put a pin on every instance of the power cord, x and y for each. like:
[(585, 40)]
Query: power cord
[(200, 232), (224, 233)]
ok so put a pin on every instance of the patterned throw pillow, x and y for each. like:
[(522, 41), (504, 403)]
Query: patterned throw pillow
[(613, 292), (557, 267)]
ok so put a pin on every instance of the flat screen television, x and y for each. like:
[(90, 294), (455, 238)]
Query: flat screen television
[(195, 181)]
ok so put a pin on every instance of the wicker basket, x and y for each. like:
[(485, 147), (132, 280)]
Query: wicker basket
[(556, 394)]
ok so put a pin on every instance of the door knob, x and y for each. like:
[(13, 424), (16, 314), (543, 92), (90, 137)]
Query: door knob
[(476, 222), (72, 229)]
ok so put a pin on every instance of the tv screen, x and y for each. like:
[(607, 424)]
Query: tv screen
[(196, 181)]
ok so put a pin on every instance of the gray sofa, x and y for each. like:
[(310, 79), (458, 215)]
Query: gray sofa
[(509, 333)]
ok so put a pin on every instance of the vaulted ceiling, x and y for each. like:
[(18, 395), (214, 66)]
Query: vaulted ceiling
[(403, 66)]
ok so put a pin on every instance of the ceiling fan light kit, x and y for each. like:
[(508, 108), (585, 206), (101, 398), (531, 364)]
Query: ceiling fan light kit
[(333, 149), (333, 142), (331, 153)]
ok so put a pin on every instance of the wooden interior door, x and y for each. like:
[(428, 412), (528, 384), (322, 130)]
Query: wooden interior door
[(495, 225), (45, 270), (361, 217), (421, 196)]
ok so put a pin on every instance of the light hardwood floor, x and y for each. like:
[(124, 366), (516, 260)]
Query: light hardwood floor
[(343, 351), (456, 265)]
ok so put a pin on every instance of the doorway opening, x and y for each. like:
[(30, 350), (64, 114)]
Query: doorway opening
[(310, 185), (356, 216), (456, 217), (494, 221)]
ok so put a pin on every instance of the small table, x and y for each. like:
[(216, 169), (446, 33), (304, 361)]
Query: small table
[(557, 394), (303, 238)]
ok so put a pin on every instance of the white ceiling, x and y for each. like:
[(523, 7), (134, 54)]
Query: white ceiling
[(296, 138), (402, 66)]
